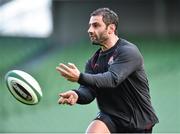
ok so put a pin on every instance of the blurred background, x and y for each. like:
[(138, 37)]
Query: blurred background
[(35, 36)]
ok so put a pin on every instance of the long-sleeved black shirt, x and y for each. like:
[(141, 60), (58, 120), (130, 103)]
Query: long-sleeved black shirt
[(116, 78)]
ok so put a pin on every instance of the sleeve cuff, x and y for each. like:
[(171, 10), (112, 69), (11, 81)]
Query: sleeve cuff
[(81, 81)]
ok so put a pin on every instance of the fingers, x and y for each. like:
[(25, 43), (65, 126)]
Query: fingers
[(69, 101), (63, 69), (65, 95), (69, 97), (71, 65), (62, 101), (62, 72), (70, 71)]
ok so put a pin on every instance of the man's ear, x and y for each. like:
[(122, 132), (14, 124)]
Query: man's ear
[(111, 29)]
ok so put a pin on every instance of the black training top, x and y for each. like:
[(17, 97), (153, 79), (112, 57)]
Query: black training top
[(116, 78)]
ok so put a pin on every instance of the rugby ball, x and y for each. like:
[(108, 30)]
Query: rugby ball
[(23, 87)]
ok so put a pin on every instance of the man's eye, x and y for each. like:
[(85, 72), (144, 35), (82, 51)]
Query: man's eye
[(95, 25)]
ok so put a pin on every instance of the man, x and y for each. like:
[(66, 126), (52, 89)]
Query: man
[(115, 76)]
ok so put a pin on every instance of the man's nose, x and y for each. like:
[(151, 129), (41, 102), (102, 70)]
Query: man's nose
[(90, 30)]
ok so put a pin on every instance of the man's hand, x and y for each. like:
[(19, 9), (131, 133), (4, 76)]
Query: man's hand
[(70, 71), (69, 97)]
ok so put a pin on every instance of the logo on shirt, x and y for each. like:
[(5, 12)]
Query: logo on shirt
[(111, 60)]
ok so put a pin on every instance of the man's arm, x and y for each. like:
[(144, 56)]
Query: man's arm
[(85, 95), (128, 61)]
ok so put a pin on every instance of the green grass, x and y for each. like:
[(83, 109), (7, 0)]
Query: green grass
[(162, 67)]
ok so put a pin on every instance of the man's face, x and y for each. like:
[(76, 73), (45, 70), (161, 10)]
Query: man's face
[(98, 32)]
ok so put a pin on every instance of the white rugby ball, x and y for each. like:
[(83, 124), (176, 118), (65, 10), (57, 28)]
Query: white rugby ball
[(23, 87)]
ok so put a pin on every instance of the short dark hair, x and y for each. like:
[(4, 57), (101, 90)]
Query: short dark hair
[(109, 17)]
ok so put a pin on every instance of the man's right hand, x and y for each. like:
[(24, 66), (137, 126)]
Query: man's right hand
[(69, 97)]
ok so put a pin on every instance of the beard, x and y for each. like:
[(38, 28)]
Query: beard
[(96, 43), (99, 40)]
